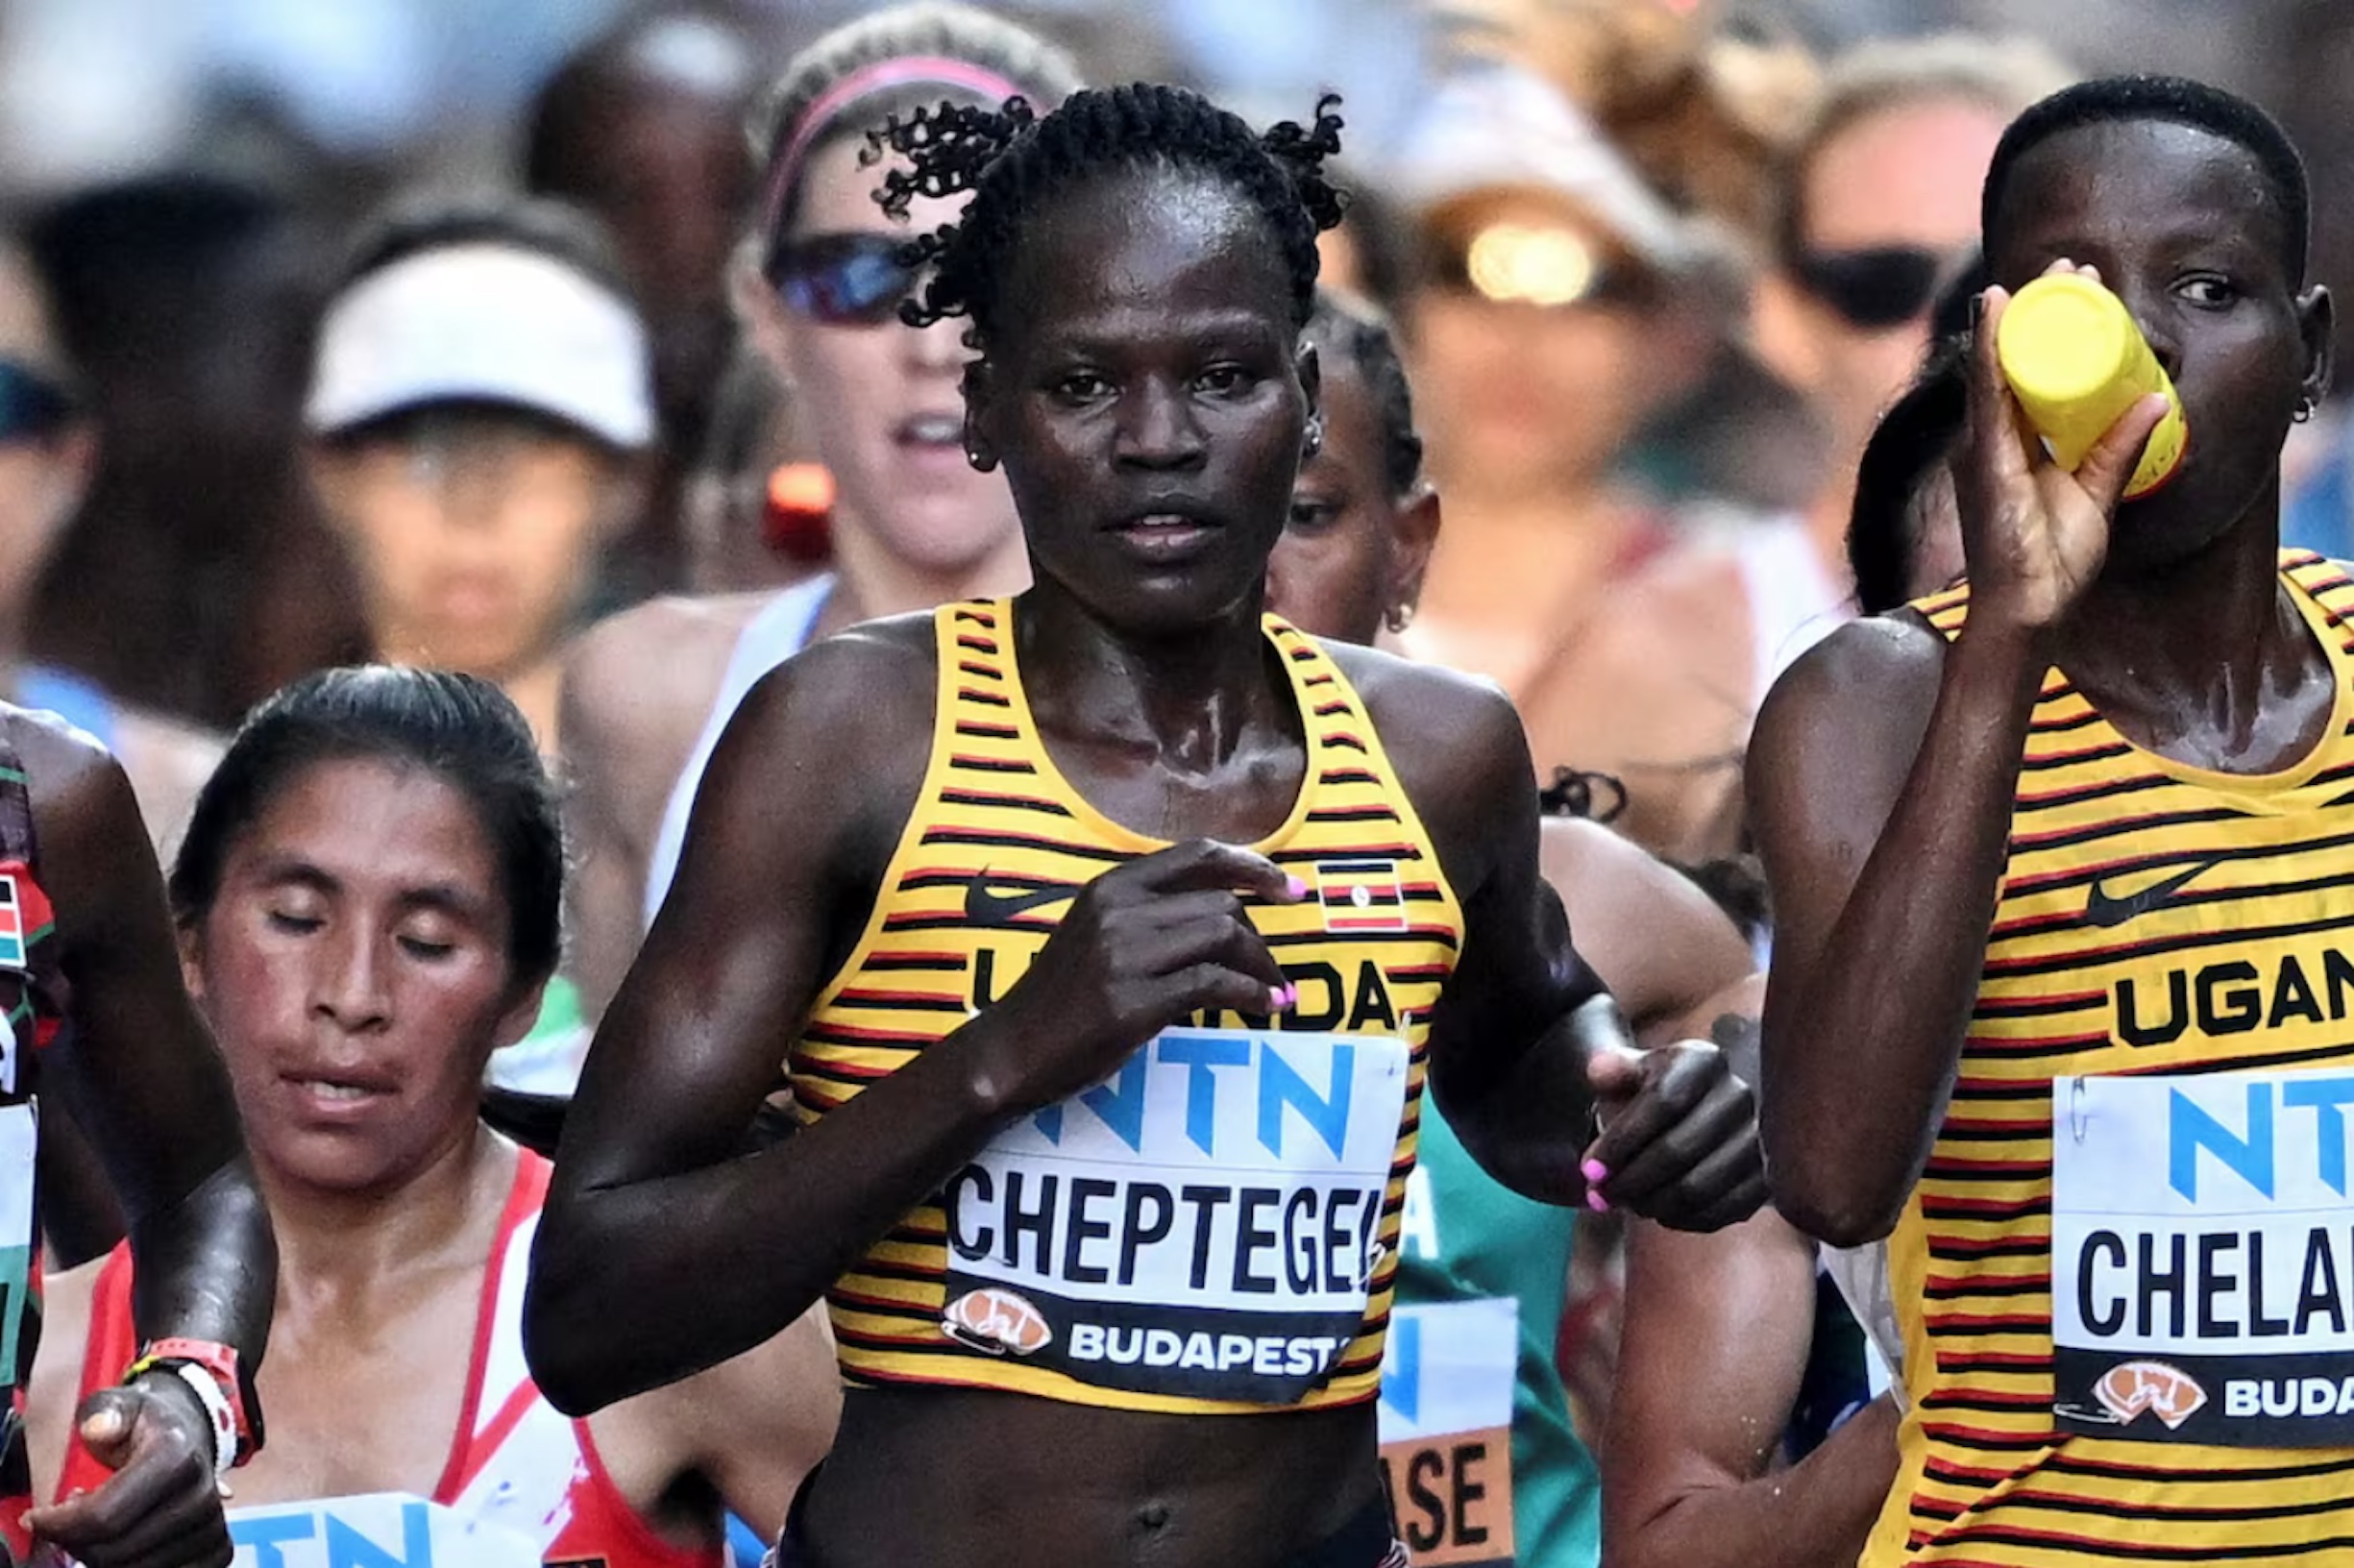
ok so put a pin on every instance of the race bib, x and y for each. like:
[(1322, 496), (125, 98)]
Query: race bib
[(18, 1139), (2202, 1250), (1204, 1223), (382, 1530), (1446, 1425)]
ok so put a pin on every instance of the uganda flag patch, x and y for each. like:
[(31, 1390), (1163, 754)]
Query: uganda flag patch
[(1360, 895)]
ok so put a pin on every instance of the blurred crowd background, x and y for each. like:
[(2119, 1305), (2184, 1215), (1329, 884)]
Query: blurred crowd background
[(1658, 266), (185, 176)]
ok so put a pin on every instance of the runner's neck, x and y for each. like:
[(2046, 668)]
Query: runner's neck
[(337, 1250)]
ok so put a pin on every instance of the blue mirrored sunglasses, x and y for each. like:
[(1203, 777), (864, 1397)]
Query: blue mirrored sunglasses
[(844, 280)]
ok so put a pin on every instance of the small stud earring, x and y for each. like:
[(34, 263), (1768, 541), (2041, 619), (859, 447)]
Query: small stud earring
[(1399, 618), (1312, 442)]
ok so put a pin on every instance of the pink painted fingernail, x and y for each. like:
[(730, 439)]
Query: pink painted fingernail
[(1296, 887), (1597, 1202), (1594, 1170), (1284, 996)]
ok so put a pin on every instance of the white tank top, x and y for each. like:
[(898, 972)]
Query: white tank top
[(1793, 602), (780, 630)]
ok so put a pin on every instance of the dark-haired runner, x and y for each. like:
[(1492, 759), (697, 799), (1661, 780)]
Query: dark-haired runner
[(1105, 1137), (1483, 1462), (2059, 861), (367, 899)]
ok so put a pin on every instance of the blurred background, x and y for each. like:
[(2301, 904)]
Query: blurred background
[(184, 175), (1656, 265)]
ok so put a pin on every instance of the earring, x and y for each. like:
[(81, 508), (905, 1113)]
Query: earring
[(2304, 410), (1313, 441), (1399, 618)]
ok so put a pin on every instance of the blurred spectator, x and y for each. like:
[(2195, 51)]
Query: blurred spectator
[(1560, 303), (648, 693), (480, 405), (196, 577), (644, 128), (1703, 113), (1879, 198), (46, 449), (1880, 204)]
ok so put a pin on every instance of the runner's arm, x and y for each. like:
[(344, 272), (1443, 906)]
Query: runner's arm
[(138, 1072), (605, 892), (1718, 1329), (661, 1252), (1880, 779), (1521, 1054), (1661, 945)]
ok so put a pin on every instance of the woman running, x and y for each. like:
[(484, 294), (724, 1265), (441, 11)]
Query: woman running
[(1108, 1118), (647, 694), (1483, 1462), (367, 902)]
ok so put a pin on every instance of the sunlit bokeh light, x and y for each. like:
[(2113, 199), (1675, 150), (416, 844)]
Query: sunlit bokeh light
[(1518, 264)]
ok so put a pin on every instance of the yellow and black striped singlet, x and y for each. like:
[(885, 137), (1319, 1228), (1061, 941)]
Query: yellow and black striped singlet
[(997, 845), (2154, 919)]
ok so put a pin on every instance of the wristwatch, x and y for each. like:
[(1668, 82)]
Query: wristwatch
[(212, 1371)]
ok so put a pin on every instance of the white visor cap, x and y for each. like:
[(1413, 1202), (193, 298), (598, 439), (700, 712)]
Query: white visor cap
[(485, 322)]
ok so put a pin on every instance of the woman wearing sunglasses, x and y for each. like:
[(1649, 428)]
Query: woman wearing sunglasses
[(647, 694), (46, 449), (1879, 204)]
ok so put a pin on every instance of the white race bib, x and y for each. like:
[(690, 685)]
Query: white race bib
[(2202, 1252), (1446, 1424), (19, 1139), (382, 1530), (1204, 1223)]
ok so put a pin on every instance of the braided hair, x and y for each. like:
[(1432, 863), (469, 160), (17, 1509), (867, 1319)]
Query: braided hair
[(1013, 163)]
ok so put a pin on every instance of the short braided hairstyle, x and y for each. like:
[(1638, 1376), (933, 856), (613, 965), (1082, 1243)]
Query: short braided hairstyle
[(1013, 163)]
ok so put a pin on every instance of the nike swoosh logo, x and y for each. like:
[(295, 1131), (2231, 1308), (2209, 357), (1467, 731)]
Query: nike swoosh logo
[(984, 907), (2103, 908)]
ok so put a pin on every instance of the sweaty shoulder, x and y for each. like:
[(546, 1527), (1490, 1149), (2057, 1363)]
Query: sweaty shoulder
[(1456, 744), (1839, 730), (847, 721), (1894, 658)]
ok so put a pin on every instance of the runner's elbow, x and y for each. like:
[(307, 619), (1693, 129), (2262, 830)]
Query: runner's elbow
[(570, 1359), (1829, 1201)]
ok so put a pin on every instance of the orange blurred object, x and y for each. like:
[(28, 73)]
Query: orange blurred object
[(797, 520)]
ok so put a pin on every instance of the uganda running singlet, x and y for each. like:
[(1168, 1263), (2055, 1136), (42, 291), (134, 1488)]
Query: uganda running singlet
[(1214, 1227), (2126, 1279), (519, 1465), (33, 995)]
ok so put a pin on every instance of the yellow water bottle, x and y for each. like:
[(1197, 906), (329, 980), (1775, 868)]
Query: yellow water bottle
[(2077, 362)]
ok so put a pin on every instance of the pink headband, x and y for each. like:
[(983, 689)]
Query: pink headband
[(905, 70)]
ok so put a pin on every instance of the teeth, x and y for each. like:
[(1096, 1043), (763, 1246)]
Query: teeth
[(935, 428), (338, 1091)]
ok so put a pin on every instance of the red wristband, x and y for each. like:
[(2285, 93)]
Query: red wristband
[(220, 1363)]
